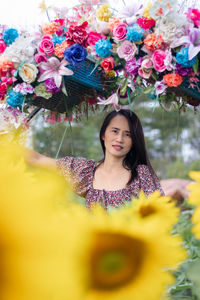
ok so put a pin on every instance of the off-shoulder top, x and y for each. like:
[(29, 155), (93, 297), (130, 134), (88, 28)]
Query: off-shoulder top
[(80, 173)]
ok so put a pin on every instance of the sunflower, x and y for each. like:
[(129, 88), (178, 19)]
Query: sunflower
[(124, 261), (196, 222), (194, 188), (153, 210), (33, 241)]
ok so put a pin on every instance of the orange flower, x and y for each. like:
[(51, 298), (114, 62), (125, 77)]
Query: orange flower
[(5, 64), (59, 49), (153, 41), (50, 28), (172, 79), (112, 23)]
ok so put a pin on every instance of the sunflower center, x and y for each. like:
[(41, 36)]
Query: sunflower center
[(147, 210), (115, 260)]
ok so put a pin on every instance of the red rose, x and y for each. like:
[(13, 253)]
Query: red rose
[(78, 34), (46, 45), (108, 64), (3, 89), (93, 37)]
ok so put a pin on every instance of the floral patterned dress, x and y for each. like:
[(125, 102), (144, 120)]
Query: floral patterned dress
[(80, 173)]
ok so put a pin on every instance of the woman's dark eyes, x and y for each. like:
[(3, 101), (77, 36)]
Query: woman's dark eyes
[(115, 131)]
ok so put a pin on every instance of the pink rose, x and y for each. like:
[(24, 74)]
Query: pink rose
[(2, 46), (41, 57), (127, 50), (120, 31), (93, 37), (158, 59), (145, 70), (46, 45)]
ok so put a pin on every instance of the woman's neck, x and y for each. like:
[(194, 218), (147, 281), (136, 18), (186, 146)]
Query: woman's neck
[(112, 163)]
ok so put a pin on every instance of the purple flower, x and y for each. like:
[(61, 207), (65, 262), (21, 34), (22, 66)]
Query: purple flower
[(51, 86), (24, 88), (183, 71), (160, 87), (133, 65), (192, 40)]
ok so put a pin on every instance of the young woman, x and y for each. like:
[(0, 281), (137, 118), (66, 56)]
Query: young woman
[(124, 170)]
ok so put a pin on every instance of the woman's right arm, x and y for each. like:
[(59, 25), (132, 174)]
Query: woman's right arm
[(34, 158)]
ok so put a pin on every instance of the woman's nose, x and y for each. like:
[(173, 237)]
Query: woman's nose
[(120, 138)]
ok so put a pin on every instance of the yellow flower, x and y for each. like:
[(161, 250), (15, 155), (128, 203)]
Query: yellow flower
[(194, 188), (42, 5), (32, 241), (196, 222), (153, 210), (110, 73), (104, 13), (146, 11), (120, 261)]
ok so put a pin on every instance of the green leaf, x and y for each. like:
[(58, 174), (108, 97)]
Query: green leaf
[(148, 90), (124, 87), (196, 66)]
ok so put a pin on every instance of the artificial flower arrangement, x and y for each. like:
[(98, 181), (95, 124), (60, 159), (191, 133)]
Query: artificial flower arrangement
[(152, 49)]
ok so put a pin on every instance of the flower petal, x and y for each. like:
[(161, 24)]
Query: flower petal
[(46, 75), (193, 51)]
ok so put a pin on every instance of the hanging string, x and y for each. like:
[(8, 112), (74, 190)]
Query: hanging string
[(62, 140)]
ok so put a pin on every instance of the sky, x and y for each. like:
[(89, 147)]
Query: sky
[(26, 12)]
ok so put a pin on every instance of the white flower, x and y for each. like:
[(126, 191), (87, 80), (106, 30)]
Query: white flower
[(102, 27), (130, 11), (170, 28), (28, 72), (20, 51)]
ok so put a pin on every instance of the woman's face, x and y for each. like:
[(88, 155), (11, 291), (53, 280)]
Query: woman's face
[(117, 137)]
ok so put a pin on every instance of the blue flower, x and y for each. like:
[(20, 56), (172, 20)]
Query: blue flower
[(183, 59), (58, 40), (15, 99), (10, 36), (134, 33), (75, 54), (103, 47)]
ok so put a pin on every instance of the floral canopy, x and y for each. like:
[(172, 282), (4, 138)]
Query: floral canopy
[(92, 55)]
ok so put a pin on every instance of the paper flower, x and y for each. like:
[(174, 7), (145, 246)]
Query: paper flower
[(51, 86), (182, 58), (10, 35), (21, 51), (192, 40), (15, 99), (53, 68), (24, 88), (75, 54), (130, 11), (134, 33), (103, 47)]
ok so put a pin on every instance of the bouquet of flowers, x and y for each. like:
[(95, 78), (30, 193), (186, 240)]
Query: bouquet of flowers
[(92, 54)]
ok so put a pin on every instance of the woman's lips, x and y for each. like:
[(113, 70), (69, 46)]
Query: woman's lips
[(117, 147)]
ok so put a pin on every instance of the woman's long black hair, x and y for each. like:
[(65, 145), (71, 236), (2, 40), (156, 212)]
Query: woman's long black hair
[(138, 154)]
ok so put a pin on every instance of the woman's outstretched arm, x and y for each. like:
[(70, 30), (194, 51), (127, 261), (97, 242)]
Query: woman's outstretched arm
[(34, 158)]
